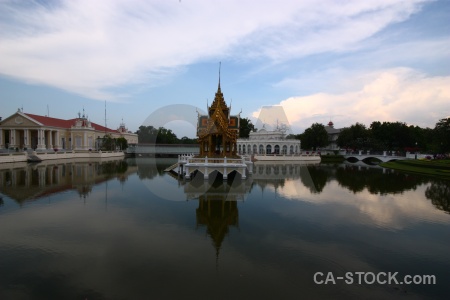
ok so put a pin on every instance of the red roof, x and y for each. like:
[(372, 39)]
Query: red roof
[(54, 122)]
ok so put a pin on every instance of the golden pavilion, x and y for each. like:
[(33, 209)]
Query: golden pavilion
[(218, 131)]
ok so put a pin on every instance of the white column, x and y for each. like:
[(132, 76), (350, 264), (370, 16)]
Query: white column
[(49, 140), (12, 138), (41, 140), (57, 145), (38, 145), (84, 141), (26, 138), (43, 143)]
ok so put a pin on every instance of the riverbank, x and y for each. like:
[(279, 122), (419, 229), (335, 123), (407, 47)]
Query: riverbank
[(25, 156), (435, 168)]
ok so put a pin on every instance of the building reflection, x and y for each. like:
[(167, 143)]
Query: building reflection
[(25, 182), (217, 216), (217, 209), (218, 199), (277, 173)]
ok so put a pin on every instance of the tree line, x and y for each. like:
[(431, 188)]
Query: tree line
[(380, 136), (161, 135)]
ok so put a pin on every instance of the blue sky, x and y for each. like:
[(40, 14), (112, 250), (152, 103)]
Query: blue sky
[(348, 61)]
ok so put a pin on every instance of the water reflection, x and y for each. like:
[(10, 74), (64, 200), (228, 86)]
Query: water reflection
[(439, 194), (273, 231), (31, 182), (276, 174), (217, 215), (376, 180)]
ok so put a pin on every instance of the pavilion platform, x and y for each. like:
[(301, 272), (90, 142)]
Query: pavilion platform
[(188, 164)]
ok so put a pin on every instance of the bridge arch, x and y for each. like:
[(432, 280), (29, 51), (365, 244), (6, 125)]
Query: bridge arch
[(366, 157)]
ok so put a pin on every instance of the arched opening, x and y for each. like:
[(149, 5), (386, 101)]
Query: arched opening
[(261, 149), (268, 149), (284, 151), (277, 149)]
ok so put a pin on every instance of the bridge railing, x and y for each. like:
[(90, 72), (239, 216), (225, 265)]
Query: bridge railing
[(215, 160), (376, 153), (184, 158)]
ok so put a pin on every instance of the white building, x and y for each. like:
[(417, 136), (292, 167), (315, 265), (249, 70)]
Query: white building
[(268, 142), (28, 131)]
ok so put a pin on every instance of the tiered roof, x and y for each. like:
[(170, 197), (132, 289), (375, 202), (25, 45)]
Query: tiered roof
[(218, 120)]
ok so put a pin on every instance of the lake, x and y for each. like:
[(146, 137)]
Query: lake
[(125, 229)]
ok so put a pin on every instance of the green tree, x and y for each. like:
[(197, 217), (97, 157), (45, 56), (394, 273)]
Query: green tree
[(355, 137), (314, 136), (245, 127), (186, 140), (147, 134), (399, 136), (108, 143), (442, 135), (166, 136), (122, 143)]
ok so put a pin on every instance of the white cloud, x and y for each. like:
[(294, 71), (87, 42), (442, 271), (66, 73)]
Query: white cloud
[(88, 47), (399, 94)]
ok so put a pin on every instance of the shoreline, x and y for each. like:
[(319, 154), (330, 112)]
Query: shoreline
[(43, 156)]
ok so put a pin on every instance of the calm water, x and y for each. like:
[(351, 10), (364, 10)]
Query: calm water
[(127, 230)]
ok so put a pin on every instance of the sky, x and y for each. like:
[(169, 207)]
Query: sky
[(346, 61)]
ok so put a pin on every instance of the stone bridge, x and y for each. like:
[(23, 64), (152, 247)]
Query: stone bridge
[(383, 157)]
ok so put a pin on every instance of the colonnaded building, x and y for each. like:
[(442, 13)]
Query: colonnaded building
[(28, 131), (268, 142)]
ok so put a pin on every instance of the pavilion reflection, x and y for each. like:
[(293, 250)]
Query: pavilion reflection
[(218, 199), (27, 182), (217, 209)]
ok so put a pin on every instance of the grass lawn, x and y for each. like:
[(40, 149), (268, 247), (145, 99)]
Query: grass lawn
[(437, 168)]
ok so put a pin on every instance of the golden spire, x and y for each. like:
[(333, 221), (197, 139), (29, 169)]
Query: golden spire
[(220, 63)]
